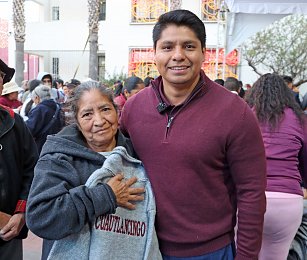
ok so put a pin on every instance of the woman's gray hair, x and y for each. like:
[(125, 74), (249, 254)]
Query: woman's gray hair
[(42, 91), (86, 87)]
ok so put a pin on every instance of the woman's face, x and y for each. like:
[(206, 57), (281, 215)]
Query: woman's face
[(134, 91), (98, 121)]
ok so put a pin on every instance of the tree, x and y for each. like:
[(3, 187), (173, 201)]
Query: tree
[(93, 23), (281, 48), (19, 34)]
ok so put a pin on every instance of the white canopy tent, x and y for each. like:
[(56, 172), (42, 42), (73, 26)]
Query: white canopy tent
[(246, 17)]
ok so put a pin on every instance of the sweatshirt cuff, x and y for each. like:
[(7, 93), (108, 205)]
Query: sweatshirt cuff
[(104, 199), (21, 206)]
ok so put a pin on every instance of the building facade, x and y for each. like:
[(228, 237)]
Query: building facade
[(57, 37)]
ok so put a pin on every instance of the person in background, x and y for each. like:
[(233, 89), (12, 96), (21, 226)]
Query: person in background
[(9, 97), (18, 156), (295, 91), (68, 90), (147, 81), (75, 82), (28, 103), (79, 149), (41, 115), (242, 91), (6, 73), (233, 85), (46, 79), (24, 88), (220, 82), (69, 115), (58, 85), (132, 86), (117, 88), (304, 103), (202, 149), (284, 132)]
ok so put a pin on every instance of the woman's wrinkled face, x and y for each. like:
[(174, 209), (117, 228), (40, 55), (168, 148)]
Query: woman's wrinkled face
[(98, 121)]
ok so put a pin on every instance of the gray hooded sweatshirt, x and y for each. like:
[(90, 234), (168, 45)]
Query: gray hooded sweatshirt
[(126, 234), (59, 203)]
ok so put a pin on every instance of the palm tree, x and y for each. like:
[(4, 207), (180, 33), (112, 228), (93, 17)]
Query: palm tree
[(19, 34), (93, 23)]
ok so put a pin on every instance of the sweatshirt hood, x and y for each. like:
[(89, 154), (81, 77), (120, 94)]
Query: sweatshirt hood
[(42, 75), (70, 141)]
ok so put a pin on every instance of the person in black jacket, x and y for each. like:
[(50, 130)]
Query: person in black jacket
[(40, 122), (18, 156)]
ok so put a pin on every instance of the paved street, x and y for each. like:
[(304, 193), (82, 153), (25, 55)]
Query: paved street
[(32, 247)]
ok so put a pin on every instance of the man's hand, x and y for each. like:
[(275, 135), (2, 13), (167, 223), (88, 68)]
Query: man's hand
[(13, 227)]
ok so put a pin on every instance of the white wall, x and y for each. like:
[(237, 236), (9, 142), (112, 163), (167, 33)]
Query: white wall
[(66, 38)]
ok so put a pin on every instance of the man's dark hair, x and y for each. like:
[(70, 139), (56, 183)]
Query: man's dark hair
[(232, 84), (180, 17)]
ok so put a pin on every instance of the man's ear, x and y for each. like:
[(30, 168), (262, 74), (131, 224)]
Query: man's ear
[(126, 93), (204, 54)]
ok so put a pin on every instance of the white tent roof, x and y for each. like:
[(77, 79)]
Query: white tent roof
[(246, 17), (267, 6)]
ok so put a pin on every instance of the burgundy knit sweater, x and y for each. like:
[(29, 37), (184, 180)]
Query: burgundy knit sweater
[(205, 159)]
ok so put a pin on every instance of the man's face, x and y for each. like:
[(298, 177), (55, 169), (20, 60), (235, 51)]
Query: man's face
[(46, 81), (179, 56)]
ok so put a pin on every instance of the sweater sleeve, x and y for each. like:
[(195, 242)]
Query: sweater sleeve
[(246, 158), (303, 155), (30, 155), (59, 205)]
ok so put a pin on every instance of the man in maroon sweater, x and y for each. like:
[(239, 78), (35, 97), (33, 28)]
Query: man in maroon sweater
[(202, 148)]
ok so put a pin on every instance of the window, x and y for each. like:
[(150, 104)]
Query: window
[(101, 66), (148, 11), (213, 10), (55, 13), (55, 67), (141, 63), (216, 63), (102, 11)]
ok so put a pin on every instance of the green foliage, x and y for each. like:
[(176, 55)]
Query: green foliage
[(280, 48), (111, 79)]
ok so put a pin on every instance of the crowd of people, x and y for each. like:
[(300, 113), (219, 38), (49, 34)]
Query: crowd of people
[(178, 167)]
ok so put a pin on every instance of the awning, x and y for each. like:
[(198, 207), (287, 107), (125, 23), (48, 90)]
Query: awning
[(246, 17)]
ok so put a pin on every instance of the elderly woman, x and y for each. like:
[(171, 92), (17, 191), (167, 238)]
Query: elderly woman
[(40, 121), (9, 96), (61, 203)]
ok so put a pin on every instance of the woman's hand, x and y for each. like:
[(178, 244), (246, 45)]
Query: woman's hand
[(13, 227), (123, 191)]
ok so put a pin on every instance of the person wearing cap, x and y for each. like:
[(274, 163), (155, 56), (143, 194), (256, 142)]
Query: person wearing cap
[(6, 73), (9, 96), (18, 156)]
